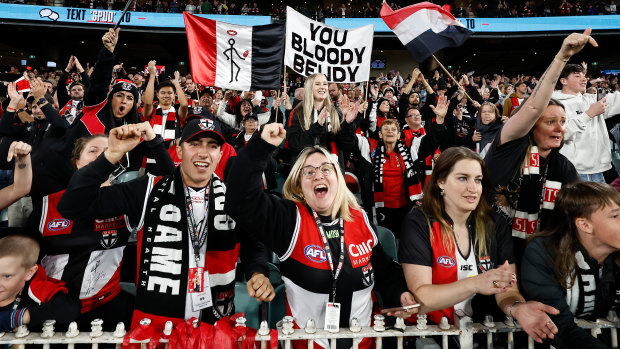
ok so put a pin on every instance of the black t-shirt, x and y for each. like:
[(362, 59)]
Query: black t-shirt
[(415, 241), (503, 161), (415, 248)]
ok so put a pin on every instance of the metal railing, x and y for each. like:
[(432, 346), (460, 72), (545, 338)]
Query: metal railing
[(463, 332)]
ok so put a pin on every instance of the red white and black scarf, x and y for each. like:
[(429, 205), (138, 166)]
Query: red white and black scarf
[(411, 179), (164, 251)]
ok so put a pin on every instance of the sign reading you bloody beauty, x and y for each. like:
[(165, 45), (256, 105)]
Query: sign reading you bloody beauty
[(341, 55)]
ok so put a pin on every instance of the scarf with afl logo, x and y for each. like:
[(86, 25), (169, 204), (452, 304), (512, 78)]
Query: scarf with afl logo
[(411, 180), (162, 281)]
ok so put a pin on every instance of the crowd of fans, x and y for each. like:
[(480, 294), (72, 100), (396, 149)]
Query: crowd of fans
[(460, 9), (493, 185)]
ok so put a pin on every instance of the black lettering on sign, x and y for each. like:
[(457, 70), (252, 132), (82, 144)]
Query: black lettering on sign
[(471, 23), (296, 42)]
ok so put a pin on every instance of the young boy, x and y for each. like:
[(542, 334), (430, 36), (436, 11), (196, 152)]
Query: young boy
[(27, 295)]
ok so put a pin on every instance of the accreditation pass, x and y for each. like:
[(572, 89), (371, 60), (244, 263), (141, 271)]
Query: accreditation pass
[(332, 317)]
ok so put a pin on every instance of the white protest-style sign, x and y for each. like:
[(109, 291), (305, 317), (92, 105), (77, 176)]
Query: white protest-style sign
[(313, 47)]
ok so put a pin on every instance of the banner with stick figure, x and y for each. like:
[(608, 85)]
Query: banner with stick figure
[(234, 56), (341, 55)]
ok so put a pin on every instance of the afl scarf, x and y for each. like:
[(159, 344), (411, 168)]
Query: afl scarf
[(164, 248), (411, 180)]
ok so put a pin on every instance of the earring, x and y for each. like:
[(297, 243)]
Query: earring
[(441, 192)]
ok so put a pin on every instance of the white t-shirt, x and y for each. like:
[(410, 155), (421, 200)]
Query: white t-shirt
[(198, 205), (466, 268)]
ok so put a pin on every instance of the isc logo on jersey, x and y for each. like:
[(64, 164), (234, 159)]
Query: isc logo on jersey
[(315, 253), (446, 261), (58, 224)]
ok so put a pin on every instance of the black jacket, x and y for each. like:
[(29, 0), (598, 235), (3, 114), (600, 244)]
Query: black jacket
[(538, 282)]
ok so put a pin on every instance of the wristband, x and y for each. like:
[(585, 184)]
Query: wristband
[(511, 307), (9, 109), (17, 317)]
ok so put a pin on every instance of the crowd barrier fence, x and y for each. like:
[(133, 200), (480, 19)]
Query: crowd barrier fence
[(463, 331)]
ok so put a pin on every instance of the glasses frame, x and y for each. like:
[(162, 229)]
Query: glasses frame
[(331, 168)]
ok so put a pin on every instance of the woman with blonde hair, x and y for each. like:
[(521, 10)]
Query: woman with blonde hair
[(572, 265), (456, 252), (327, 247), (316, 121)]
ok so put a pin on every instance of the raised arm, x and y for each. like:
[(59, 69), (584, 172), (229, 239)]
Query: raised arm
[(182, 112), (22, 175), (270, 218), (522, 122), (102, 74), (38, 90), (149, 92), (414, 78), (61, 88), (85, 197)]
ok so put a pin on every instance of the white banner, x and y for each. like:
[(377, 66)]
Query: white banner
[(313, 47)]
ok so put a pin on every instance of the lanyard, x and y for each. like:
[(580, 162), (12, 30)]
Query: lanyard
[(197, 232), (18, 299), (328, 252)]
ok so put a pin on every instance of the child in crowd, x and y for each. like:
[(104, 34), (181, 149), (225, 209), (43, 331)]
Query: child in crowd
[(27, 295)]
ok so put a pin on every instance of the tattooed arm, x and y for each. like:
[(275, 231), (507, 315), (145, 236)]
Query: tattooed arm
[(523, 121), (22, 181)]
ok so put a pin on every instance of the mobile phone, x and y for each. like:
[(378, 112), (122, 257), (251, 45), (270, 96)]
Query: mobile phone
[(406, 308)]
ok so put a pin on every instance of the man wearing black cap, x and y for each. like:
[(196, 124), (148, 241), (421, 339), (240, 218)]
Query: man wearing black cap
[(250, 128), (183, 230)]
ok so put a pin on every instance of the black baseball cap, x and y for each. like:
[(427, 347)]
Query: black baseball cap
[(202, 127), (251, 116)]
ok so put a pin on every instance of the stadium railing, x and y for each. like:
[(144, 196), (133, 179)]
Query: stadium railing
[(463, 332)]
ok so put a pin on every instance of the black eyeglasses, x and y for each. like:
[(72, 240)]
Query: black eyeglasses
[(326, 169)]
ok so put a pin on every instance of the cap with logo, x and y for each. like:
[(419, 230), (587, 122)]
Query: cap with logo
[(202, 127), (125, 85)]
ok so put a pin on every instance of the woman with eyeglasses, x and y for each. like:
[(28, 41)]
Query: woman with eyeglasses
[(330, 255)]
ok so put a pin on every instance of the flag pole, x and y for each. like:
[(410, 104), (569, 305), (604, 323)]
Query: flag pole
[(366, 97), (123, 14), (284, 84), (452, 77)]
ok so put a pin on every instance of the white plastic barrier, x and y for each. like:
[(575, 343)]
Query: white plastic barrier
[(464, 329)]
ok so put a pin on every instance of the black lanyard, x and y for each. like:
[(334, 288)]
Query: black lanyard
[(328, 251), (197, 232)]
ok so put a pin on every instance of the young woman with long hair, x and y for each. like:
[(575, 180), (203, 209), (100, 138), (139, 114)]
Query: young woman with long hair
[(572, 265), (316, 121), (328, 249), (456, 252)]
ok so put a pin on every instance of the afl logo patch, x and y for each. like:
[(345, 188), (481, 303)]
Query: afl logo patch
[(446, 261), (315, 253), (58, 224)]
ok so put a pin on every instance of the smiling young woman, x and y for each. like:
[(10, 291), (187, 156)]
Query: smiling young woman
[(316, 121), (456, 252), (329, 251)]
